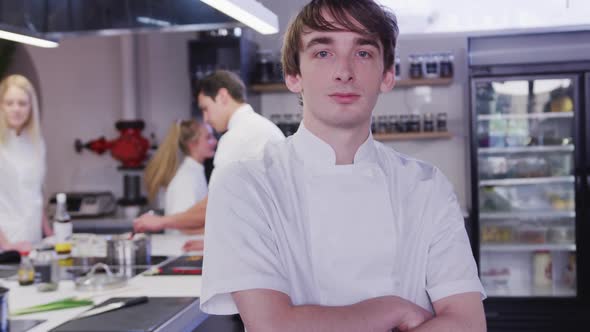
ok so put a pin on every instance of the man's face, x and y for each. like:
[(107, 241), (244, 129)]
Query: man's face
[(213, 112), (342, 74)]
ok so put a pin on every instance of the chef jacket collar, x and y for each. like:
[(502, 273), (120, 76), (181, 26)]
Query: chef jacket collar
[(241, 113), (315, 152)]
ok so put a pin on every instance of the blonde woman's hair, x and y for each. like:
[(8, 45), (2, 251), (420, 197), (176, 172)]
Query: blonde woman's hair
[(162, 167), (32, 126)]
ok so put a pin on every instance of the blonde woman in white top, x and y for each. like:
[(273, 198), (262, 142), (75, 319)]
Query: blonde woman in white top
[(185, 184), (22, 166)]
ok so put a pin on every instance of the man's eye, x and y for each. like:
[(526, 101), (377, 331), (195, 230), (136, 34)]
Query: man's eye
[(364, 54), (322, 54)]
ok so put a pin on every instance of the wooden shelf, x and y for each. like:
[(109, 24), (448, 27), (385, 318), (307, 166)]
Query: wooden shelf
[(273, 87), (281, 87), (425, 81), (413, 136)]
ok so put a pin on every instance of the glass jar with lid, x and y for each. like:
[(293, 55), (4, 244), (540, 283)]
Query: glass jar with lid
[(414, 123), (415, 70), (441, 121), (403, 123), (382, 124), (428, 122), (430, 66), (46, 270), (446, 65)]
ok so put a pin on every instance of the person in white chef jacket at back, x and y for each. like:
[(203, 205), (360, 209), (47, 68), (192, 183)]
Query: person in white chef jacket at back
[(185, 182), (222, 99), (22, 166)]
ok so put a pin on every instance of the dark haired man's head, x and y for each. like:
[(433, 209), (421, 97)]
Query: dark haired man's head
[(222, 79), (219, 95), (364, 17)]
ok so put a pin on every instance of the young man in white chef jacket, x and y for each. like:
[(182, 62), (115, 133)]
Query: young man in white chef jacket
[(330, 230)]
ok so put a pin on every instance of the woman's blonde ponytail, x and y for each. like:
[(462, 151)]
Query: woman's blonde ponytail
[(161, 168)]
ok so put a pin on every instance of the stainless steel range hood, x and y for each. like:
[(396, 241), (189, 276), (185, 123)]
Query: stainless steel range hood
[(54, 19)]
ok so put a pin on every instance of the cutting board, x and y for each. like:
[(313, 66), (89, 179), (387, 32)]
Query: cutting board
[(147, 317)]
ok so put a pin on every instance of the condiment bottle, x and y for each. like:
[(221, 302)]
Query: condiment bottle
[(26, 271), (62, 225)]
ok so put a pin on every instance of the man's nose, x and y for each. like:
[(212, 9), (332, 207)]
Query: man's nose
[(344, 70)]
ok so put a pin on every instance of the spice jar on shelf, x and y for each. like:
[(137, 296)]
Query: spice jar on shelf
[(403, 123), (381, 124), (441, 121), (428, 122), (430, 66), (415, 71), (414, 123), (391, 123), (446, 65)]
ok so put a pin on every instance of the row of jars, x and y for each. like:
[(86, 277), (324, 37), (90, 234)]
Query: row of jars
[(409, 123), (431, 65), (380, 124)]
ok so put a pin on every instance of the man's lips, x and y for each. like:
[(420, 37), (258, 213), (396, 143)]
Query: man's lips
[(345, 98)]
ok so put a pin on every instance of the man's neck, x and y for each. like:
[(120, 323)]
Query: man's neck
[(344, 141), (232, 108)]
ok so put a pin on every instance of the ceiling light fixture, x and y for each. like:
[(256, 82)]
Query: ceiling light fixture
[(249, 12), (26, 38)]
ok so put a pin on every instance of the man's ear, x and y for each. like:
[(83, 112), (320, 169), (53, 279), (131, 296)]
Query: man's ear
[(294, 83), (223, 96), (388, 80)]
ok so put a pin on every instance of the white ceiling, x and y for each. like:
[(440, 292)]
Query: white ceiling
[(427, 16)]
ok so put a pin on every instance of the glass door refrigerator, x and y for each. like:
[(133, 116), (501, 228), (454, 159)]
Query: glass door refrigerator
[(530, 157)]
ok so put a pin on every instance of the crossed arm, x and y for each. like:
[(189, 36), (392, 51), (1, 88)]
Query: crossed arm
[(267, 310)]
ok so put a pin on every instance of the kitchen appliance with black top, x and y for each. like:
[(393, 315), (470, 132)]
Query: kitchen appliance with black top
[(530, 157), (89, 204)]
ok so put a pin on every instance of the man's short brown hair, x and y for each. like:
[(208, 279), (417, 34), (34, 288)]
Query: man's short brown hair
[(211, 84), (375, 21)]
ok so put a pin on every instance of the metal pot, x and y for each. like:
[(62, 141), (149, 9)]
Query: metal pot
[(127, 249), (124, 250)]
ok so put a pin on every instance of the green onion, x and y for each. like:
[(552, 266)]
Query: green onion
[(70, 302)]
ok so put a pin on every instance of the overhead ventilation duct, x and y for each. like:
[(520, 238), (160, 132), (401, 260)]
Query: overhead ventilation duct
[(56, 19)]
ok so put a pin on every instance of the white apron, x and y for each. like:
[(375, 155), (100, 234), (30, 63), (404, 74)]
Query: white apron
[(352, 233)]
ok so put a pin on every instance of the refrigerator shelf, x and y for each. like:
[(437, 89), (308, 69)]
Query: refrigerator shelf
[(528, 247), (527, 149), (557, 291), (527, 181), (522, 116), (527, 215)]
